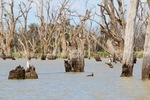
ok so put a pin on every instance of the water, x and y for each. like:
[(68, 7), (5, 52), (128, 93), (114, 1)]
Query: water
[(55, 84)]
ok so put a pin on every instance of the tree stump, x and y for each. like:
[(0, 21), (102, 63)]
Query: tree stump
[(68, 67), (18, 73), (43, 57), (97, 57), (31, 73), (74, 65), (127, 70)]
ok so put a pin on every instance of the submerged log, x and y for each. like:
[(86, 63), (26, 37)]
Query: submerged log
[(97, 57), (18, 73)]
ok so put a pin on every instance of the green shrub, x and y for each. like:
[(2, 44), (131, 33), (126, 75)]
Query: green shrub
[(139, 54), (17, 55), (103, 54)]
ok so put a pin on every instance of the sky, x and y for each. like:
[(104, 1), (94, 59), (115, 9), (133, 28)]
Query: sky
[(78, 5)]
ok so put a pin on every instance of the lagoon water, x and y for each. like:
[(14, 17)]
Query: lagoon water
[(55, 84)]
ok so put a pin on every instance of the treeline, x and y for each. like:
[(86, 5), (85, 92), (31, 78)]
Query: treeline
[(55, 32)]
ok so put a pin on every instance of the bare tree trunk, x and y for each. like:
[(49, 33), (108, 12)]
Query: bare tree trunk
[(146, 58), (128, 55), (64, 46), (1, 16)]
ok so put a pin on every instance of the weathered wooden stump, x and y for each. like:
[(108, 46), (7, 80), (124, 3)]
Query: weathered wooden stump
[(67, 65), (74, 65), (97, 57), (78, 64), (18, 73), (43, 57), (31, 73), (126, 70)]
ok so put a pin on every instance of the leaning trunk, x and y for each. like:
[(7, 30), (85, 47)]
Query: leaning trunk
[(146, 58), (128, 55)]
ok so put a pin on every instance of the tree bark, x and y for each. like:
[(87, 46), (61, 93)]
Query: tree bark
[(64, 46), (146, 57), (128, 55)]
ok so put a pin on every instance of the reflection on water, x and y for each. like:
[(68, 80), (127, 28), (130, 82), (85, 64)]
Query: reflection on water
[(55, 84)]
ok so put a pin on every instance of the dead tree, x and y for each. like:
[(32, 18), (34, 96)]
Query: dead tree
[(128, 55), (77, 39), (7, 35), (26, 39), (146, 57), (111, 38), (50, 30)]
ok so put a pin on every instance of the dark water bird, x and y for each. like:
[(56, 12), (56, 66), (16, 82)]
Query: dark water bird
[(91, 75)]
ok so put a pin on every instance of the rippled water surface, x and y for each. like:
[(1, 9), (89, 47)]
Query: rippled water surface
[(55, 84)]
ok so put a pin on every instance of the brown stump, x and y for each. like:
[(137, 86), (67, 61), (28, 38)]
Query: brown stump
[(31, 73), (135, 59), (145, 74), (74, 65), (67, 66), (97, 57), (78, 64), (18, 73), (127, 70), (43, 57)]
